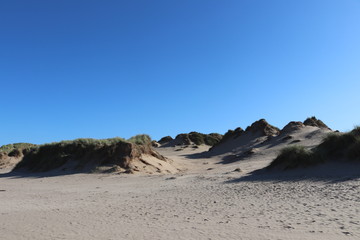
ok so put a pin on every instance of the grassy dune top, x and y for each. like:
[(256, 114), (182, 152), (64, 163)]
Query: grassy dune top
[(334, 147), (16, 149), (83, 151), (208, 139), (141, 139)]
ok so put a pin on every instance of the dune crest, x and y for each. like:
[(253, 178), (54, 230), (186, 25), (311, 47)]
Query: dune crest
[(263, 138)]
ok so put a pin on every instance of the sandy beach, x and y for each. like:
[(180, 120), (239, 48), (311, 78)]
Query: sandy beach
[(206, 200)]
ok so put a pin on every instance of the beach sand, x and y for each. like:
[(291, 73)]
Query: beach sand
[(206, 200)]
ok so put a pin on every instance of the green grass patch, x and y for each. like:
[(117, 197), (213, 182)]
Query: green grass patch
[(16, 149), (141, 139)]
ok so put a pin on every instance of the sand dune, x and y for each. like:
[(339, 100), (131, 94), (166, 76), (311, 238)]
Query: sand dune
[(223, 194)]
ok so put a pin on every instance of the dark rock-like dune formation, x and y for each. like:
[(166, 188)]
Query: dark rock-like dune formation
[(192, 138), (314, 122), (263, 128), (165, 140), (232, 134)]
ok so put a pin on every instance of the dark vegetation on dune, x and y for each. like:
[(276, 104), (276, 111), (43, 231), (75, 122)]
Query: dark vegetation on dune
[(16, 149), (334, 147), (233, 133), (263, 127), (314, 122), (207, 139), (291, 127), (86, 153), (166, 139), (142, 139), (195, 138), (294, 157)]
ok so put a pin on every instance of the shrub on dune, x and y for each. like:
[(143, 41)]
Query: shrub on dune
[(353, 152), (340, 146), (197, 138), (334, 147), (294, 157)]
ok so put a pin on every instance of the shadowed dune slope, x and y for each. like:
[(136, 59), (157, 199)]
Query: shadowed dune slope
[(265, 139)]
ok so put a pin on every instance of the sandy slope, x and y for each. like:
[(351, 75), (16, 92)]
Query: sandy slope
[(206, 200)]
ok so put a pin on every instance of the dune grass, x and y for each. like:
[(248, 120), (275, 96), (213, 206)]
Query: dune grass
[(86, 142), (208, 139), (341, 146), (334, 147), (165, 139), (83, 151), (16, 149), (53, 155), (141, 139), (295, 157)]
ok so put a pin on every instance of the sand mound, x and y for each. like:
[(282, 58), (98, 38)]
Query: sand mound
[(165, 140), (231, 134), (87, 155), (263, 128), (292, 127), (266, 139), (183, 139), (7, 161), (314, 122), (241, 141)]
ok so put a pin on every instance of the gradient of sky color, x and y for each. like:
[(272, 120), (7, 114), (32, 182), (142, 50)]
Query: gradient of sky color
[(71, 69)]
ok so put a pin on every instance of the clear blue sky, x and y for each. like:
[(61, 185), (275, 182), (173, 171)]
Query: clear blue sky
[(71, 69)]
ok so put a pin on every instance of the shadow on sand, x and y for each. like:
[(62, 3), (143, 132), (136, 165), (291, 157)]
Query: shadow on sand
[(224, 160), (27, 174), (329, 172), (196, 155)]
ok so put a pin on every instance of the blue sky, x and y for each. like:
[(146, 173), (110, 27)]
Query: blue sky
[(71, 69)]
